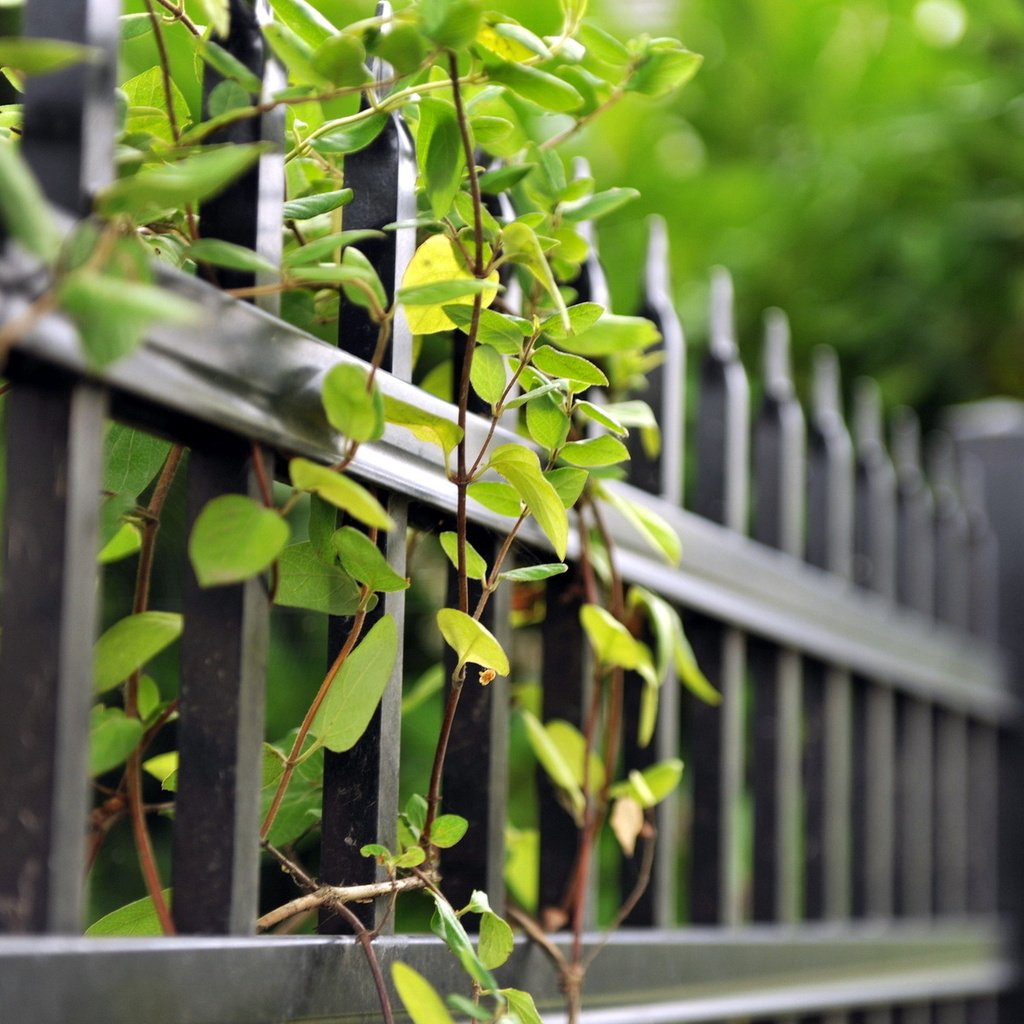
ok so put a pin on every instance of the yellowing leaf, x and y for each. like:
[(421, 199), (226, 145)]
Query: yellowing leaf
[(340, 491), (437, 260), (521, 468), (421, 999), (627, 822), (472, 641), (612, 642)]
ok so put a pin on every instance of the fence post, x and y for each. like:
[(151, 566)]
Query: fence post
[(992, 434)]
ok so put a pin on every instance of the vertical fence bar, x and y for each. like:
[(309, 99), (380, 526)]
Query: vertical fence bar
[(779, 463), (914, 746), (224, 644), (827, 689), (991, 434), (874, 704), (658, 474), (716, 734), (360, 803), (914, 589), (54, 439)]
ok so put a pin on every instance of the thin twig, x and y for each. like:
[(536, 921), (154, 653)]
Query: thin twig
[(329, 895)]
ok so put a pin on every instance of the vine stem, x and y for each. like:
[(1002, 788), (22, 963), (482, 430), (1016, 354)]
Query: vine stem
[(293, 758)]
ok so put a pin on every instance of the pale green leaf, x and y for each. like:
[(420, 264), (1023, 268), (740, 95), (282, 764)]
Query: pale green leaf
[(439, 153), (690, 672), (651, 526), (229, 66), (164, 768), (522, 1005), (112, 737), (651, 785), (472, 641), (552, 760), (547, 422), (352, 408), (599, 415), (496, 941), (488, 375), (571, 744), (340, 491), (130, 643), (599, 204), (665, 66), (147, 105), (341, 60), (125, 543), (494, 329), (304, 20), (537, 86), (560, 364), (476, 567), (350, 138), (581, 317), (568, 483), (595, 451), (613, 644), (218, 13), (365, 562), (422, 424), (612, 334), (357, 689), (521, 245), (313, 252), (306, 581), (35, 56), (500, 498), (233, 539), (521, 468), (532, 573), (448, 927), (23, 209)]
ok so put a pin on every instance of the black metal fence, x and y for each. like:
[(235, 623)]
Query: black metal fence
[(868, 710)]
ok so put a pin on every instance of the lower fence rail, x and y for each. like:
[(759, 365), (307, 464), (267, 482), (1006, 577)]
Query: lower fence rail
[(685, 976)]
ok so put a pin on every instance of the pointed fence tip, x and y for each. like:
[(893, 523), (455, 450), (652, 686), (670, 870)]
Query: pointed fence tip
[(723, 323), (867, 413), (826, 398), (776, 364)]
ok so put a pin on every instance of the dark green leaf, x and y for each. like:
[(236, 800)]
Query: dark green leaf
[(314, 205), (304, 581), (131, 459)]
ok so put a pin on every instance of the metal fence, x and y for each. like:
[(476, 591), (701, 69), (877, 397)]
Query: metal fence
[(868, 712)]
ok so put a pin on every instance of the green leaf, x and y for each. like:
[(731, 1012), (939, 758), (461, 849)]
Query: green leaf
[(537, 86), (493, 329), (448, 927), (650, 786), (488, 375), (532, 573), (553, 761), (595, 451), (598, 415), (651, 526), (496, 941), (323, 522), (218, 13), (598, 205), (305, 581), (228, 65), (147, 105), (435, 293), (547, 422), (635, 413), (440, 154), (112, 737), (357, 689), (568, 483), (412, 857), (582, 316), (576, 368), (126, 542), (25, 212), (422, 424), (325, 248), (665, 66), (135, 25), (133, 920), (225, 98), (447, 830), (162, 187), (129, 644), (233, 539), (522, 1005), (351, 138), (227, 254), (148, 698), (451, 24), (521, 468), (521, 245), (572, 746), (365, 289), (341, 60), (689, 671), (471, 641), (304, 20), (365, 562), (501, 179), (476, 567), (613, 644), (490, 129), (316, 204), (420, 998), (131, 459), (612, 334), (340, 491), (352, 408), (500, 498), (33, 56), (164, 768), (403, 47)]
